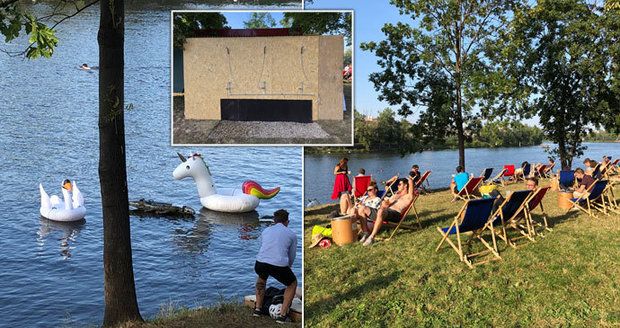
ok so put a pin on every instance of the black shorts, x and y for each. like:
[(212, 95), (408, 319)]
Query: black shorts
[(392, 215), (282, 274), (373, 213)]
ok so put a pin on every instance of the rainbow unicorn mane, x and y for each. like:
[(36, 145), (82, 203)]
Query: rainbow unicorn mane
[(253, 188)]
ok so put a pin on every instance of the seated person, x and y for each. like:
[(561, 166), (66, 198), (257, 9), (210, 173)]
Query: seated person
[(590, 165), (519, 171), (531, 184), (585, 181), (366, 209), (548, 170), (458, 181), (392, 208), (361, 172)]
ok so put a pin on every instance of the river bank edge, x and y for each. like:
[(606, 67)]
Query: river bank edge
[(230, 314)]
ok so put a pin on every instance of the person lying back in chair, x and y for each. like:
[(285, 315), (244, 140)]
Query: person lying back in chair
[(392, 208), (585, 181)]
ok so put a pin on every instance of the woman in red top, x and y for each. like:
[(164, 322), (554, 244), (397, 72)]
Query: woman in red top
[(341, 184)]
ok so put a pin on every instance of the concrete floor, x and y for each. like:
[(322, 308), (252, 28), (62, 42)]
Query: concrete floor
[(187, 131)]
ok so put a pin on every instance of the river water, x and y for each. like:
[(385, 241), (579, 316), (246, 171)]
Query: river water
[(319, 178), (51, 273)]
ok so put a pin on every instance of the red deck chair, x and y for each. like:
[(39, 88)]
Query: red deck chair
[(470, 188), (508, 173), (421, 180), (540, 172), (534, 202), (403, 215), (360, 184)]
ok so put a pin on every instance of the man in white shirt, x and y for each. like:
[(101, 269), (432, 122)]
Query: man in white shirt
[(275, 258)]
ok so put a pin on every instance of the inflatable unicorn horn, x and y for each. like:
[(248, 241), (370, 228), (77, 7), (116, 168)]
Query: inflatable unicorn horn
[(231, 200)]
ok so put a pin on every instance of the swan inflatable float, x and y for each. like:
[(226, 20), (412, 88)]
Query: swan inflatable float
[(230, 200), (70, 208)]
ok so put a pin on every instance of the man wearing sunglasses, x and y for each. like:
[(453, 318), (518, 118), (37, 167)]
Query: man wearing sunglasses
[(392, 208)]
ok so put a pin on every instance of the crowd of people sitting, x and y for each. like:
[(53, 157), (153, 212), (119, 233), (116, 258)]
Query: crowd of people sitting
[(372, 206)]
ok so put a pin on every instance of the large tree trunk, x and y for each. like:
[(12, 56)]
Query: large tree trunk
[(121, 304)]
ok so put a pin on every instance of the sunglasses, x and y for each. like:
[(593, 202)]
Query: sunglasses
[(370, 189)]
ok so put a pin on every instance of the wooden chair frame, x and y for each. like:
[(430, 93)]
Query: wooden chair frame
[(473, 189), (403, 215), (514, 221), (458, 247)]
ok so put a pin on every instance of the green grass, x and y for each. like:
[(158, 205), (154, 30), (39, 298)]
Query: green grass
[(568, 278), (222, 315)]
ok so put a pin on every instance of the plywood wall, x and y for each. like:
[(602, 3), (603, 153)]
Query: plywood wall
[(287, 67)]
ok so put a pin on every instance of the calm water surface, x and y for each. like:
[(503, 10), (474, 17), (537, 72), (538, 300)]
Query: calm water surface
[(51, 273), (319, 178)]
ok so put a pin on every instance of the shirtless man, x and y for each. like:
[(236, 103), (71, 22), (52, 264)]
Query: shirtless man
[(391, 208)]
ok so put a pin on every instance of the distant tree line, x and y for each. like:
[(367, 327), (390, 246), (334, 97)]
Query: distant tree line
[(387, 133), (602, 136)]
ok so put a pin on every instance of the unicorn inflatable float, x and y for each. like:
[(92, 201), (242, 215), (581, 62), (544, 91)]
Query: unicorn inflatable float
[(70, 209), (230, 200)]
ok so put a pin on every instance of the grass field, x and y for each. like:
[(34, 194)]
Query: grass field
[(569, 278)]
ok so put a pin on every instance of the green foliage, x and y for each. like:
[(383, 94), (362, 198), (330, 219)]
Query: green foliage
[(348, 56), (260, 20), (319, 23), (385, 133), (560, 58), (186, 24), (507, 134), (602, 136), (42, 38), (435, 62)]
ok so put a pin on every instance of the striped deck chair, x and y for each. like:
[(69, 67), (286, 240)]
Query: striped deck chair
[(535, 202), (360, 184), (567, 180), (486, 174), (473, 217), (470, 188), (498, 178), (403, 215), (594, 199), (512, 213), (418, 186)]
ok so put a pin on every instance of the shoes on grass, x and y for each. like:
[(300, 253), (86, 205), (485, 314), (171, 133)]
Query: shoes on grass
[(257, 313), (368, 241), (283, 319)]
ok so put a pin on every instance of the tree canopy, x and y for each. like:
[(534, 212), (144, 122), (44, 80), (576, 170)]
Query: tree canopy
[(560, 61), (320, 23), (260, 20), (186, 24), (433, 62)]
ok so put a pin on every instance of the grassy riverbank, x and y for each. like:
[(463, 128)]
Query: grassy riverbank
[(568, 278), (223, 315)]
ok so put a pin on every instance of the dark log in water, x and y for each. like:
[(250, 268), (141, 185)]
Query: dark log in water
[(150, 207)]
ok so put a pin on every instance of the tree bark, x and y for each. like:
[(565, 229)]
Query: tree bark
[(459, 97), (121, 304)]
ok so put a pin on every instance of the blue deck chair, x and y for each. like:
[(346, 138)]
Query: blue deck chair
[(474, 217), (567, 180), (594, 199), (527, 170), (596, 173), (486, 174), (512, 213)]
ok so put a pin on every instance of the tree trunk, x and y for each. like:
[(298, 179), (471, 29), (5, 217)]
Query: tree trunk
[(121, 304), (459, 97)]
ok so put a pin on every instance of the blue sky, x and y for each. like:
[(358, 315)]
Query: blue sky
[(370, 16)]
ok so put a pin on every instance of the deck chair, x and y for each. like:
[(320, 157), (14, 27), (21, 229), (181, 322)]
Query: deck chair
[(548, 173), (596, 173), (535, 202), (473, 217), (469, 189), (389, 190), (403, 215), (360, 184), (540, 171), (594, 199), (486, 174), (527, 170), (509, 172), (512, 213), (566, 179), (497, 179), (422, 179)]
